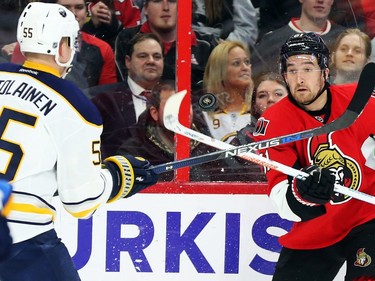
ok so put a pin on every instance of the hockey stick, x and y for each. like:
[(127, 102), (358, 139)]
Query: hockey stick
[(355, 107), (171, 122), (266, 162)]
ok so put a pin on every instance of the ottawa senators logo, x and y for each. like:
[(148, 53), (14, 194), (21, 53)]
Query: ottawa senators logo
[(362, 259), (261, 127), (345, 169)]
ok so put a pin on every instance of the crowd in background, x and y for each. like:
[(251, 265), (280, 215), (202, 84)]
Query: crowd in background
[(127, 64)]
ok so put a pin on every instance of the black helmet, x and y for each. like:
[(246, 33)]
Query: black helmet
[(304, 43)]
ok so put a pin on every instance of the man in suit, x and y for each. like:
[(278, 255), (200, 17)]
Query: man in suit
[(120, 104)]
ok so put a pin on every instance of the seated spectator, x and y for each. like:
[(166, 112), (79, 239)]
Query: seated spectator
[(10, 11), (368, 9), (351, 52), (94, 63), (314, 18), (151, 140), (228, 77), (162, 21), (121, 104), (226, 20), (109, 17), (274, 14), (349, 14), (269, 89)]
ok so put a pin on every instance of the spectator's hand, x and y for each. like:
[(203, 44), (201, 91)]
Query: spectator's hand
[(318, 187), (131, 174), (101, 14), (7, 50)]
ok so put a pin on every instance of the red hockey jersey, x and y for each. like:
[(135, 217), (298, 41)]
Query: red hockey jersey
[(348, 153)]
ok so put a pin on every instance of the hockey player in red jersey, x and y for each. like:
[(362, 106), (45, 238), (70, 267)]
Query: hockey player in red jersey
[(329, 228), (50, 142)]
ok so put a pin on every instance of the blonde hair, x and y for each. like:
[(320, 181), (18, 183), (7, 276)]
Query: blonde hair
[(216, 71), (365, 38)]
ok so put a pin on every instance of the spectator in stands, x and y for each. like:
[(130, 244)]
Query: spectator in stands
[(368, 9), (10, 11), (109, 17), (351, 52), (314, 18), (269, 89), (149, 138), (274, 14), (226, 20), (228, 77), (94, 63), (121, 104), (162, 21)]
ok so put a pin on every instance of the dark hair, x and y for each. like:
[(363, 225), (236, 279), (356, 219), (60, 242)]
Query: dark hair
[(162, 85), (270, 76), (139, 37)]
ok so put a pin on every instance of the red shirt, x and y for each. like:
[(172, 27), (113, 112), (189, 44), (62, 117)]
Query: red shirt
[(126, 12), (368, 9)]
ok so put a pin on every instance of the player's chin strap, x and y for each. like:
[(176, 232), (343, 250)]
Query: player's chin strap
[(67, 65)]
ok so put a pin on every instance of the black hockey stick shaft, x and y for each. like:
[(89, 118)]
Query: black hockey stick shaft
[(360, 98)]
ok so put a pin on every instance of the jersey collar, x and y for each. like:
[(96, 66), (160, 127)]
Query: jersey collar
[(41, 67)]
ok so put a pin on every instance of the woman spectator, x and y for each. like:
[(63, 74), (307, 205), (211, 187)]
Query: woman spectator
[(269, 88), (351, 52), (228, 77)]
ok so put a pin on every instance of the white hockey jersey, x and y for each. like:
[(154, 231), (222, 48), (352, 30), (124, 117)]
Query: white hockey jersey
[(224, 125), (49, 142)]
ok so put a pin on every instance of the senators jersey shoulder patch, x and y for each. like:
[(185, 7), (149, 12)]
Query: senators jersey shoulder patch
[(261, 127)]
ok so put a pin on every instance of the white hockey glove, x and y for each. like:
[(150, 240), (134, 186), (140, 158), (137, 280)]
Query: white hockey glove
[(130, 175)]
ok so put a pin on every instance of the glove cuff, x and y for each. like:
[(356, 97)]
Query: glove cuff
[(125, 176), (298, 197)]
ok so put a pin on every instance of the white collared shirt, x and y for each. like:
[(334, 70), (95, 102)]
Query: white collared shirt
[(138, 101)]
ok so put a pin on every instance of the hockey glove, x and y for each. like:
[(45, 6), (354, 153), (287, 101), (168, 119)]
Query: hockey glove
[(130, 175), (318, 187)]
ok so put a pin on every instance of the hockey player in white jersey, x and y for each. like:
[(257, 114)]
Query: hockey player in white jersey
[(50, 142)]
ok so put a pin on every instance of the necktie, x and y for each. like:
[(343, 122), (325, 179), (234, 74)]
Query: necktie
[(146, 94)]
